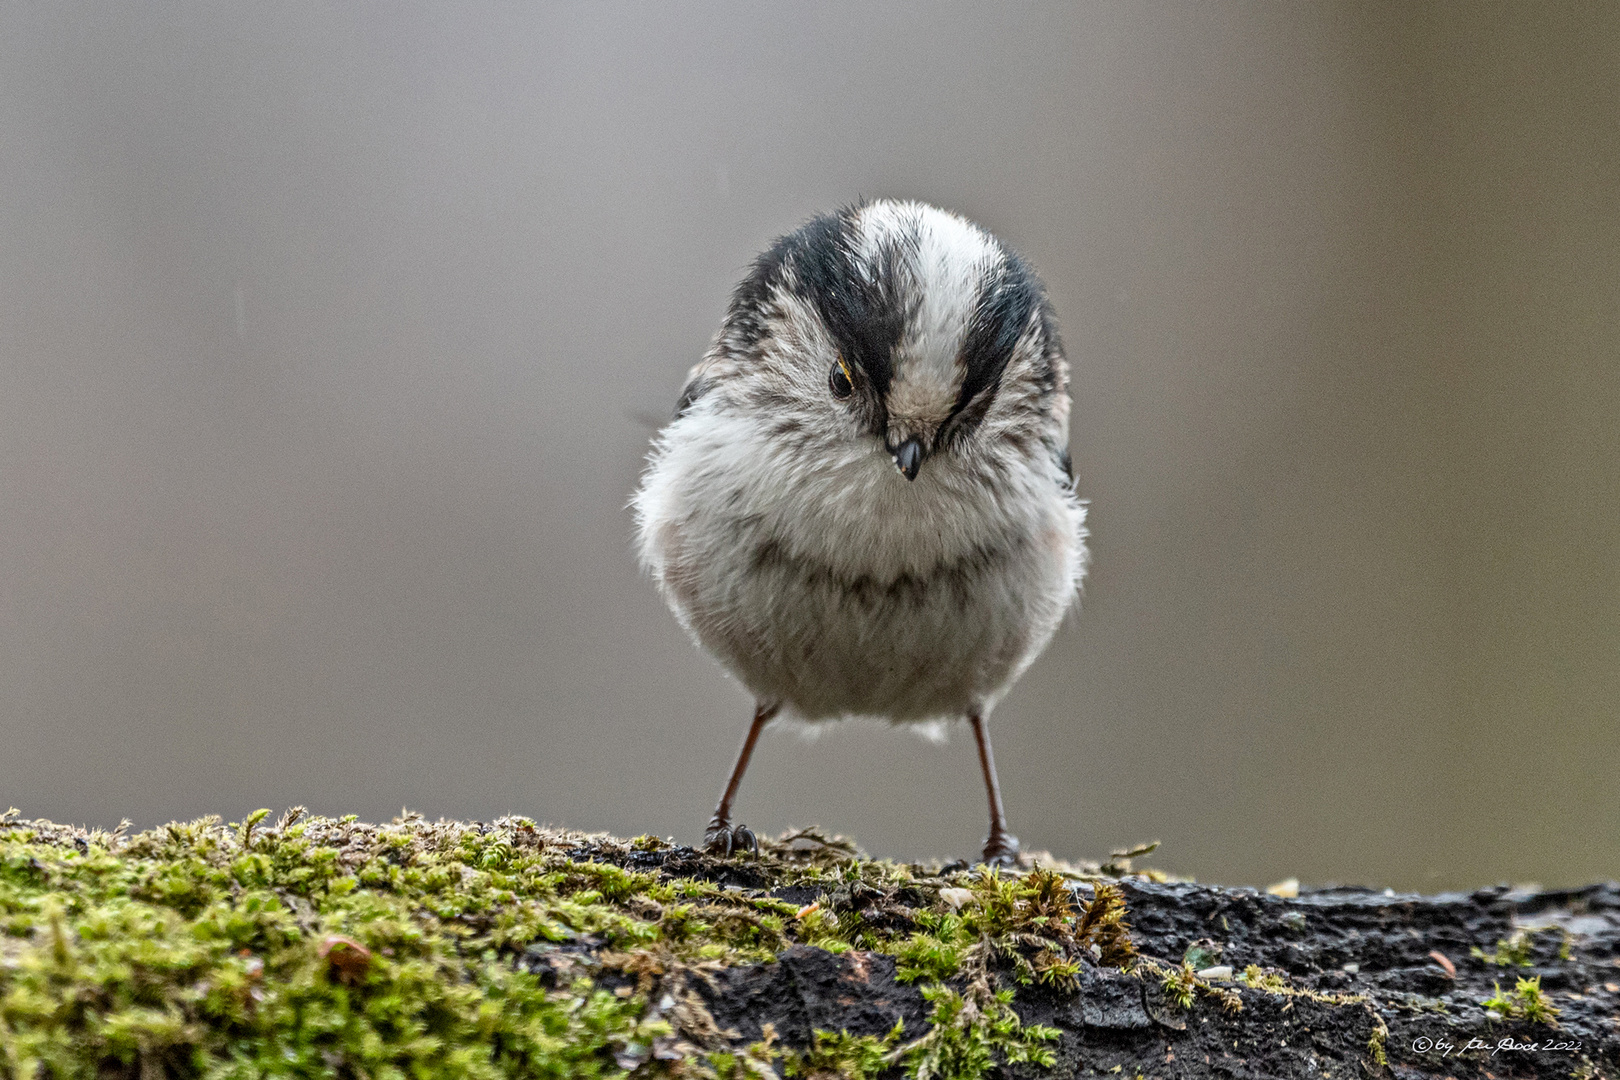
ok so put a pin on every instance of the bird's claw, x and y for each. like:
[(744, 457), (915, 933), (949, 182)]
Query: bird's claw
[(1001, 850), (723, 839)]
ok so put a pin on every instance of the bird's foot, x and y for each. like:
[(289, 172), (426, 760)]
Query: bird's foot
[(723, 838), (1001, 850)]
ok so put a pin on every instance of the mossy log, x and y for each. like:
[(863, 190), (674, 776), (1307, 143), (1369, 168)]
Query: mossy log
[(323, 947)]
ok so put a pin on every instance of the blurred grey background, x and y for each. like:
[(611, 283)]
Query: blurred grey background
[(327, 335)]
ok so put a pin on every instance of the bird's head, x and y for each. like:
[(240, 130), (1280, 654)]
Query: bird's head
[(895, 321)]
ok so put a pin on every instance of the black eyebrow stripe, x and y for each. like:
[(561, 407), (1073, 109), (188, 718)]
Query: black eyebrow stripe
[(861, 305), (1010, 295)]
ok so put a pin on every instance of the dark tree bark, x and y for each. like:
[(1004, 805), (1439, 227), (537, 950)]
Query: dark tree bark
[(1367, 983)]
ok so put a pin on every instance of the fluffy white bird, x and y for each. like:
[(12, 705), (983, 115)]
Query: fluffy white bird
[(864, 505)]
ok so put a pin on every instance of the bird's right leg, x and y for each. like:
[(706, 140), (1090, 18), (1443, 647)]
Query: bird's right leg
[(721, 837), (1001, 846)]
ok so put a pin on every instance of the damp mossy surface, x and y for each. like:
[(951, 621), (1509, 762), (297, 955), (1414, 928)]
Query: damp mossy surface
[(319, 947), (312, 946)]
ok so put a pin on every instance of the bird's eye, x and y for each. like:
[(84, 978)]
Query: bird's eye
[(840, 381)]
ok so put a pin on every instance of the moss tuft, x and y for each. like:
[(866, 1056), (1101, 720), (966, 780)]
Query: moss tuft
[(1526, 1002), (842, 1055), (967, 1035), (1270, 982), (1513, 952), (1179, 985), (1377, 1043)]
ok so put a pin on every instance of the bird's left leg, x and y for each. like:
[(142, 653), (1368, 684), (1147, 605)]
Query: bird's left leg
[(1001, 846), (721, 837)]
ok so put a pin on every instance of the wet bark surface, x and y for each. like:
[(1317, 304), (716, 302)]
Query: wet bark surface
[(1358, 941), (1366, 974)]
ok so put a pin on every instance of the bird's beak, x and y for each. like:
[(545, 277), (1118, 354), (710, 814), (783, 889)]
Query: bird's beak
[(908, 457)]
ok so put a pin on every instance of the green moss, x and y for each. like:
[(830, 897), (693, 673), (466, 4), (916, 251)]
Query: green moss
[(1518, 949), (1029, 921), (752, 1063), (1526, 1002), (1515, 951), (1377, 1043), (840, 1054), (934, 954), (202, 950), (321, 946), (968, 1034), (1180, 985), (1271, 982), (1586, 1070)]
